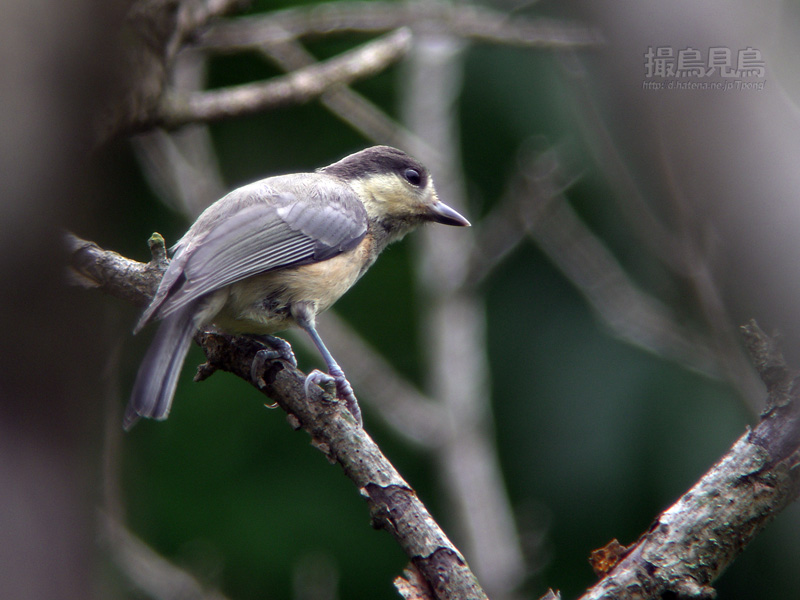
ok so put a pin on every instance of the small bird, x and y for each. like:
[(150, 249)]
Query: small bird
[(273, 254)]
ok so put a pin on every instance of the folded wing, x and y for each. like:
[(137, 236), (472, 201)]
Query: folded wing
[(258, 234)]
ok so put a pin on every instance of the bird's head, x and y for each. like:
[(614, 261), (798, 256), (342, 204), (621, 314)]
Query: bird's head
[(396, 189)]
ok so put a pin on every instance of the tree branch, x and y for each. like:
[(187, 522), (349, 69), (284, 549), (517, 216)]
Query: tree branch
[(631, 314), (460, 20), (112, 273), (392, 503), (344, 102), (692, 542), (416, 417), (155, 30), (300, 86)]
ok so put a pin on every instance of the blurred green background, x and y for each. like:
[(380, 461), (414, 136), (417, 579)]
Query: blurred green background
[(595, 436)]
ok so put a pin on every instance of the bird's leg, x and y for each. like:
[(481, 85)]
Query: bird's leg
[(278, 348), (305, 319)]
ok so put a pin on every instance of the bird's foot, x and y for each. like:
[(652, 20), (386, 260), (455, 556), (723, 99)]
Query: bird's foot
[(278, 349), (344, 391)]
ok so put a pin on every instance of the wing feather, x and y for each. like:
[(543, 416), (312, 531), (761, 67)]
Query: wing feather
[(274, 230)]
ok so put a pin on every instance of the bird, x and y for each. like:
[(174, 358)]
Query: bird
[(272, 255)]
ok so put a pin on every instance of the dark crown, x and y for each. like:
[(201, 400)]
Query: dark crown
[(377, 160)]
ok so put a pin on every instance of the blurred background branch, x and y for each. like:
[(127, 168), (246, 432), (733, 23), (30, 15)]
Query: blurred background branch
[(300, 86), (467, 21)]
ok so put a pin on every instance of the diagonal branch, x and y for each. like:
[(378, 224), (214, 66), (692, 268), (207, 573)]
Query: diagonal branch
[(297, 87), (693, 542), (631, 313), (344, 102), (392, 503)]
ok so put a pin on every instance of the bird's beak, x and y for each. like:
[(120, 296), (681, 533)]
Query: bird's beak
[(441, 213)]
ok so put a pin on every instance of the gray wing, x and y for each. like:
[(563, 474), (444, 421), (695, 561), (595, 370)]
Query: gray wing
[(257, 235)]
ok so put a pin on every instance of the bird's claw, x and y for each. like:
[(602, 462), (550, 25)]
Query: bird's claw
[(278, 349), (257, 366), (281, 348), (344, 391), (317, 377)]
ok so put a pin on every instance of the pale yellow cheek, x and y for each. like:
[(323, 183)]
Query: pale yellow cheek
[(388, 195)]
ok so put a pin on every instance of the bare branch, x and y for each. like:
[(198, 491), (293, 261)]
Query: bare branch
[(155, 30), (693, 541), (460, 20), (300, 86), (392, 502), (632, 314), (347, 104), (112, 273)]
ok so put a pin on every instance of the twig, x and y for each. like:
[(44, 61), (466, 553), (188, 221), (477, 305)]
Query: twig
[(630, 313), (460, 20), (693, 541), (155, 30), (392, 502), (347, 104), (300, 86), (112, 273)]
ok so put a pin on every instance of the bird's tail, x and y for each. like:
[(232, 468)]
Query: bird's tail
[(158, 374)]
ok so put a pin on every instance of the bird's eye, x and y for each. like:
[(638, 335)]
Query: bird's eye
[(413, 177)]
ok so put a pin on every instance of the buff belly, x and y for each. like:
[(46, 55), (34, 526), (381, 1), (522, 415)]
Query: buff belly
[(262, 304)]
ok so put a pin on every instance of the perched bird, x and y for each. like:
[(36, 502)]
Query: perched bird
[(273, 254)]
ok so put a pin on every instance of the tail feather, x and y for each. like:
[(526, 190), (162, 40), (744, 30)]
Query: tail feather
[(158, 374)]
